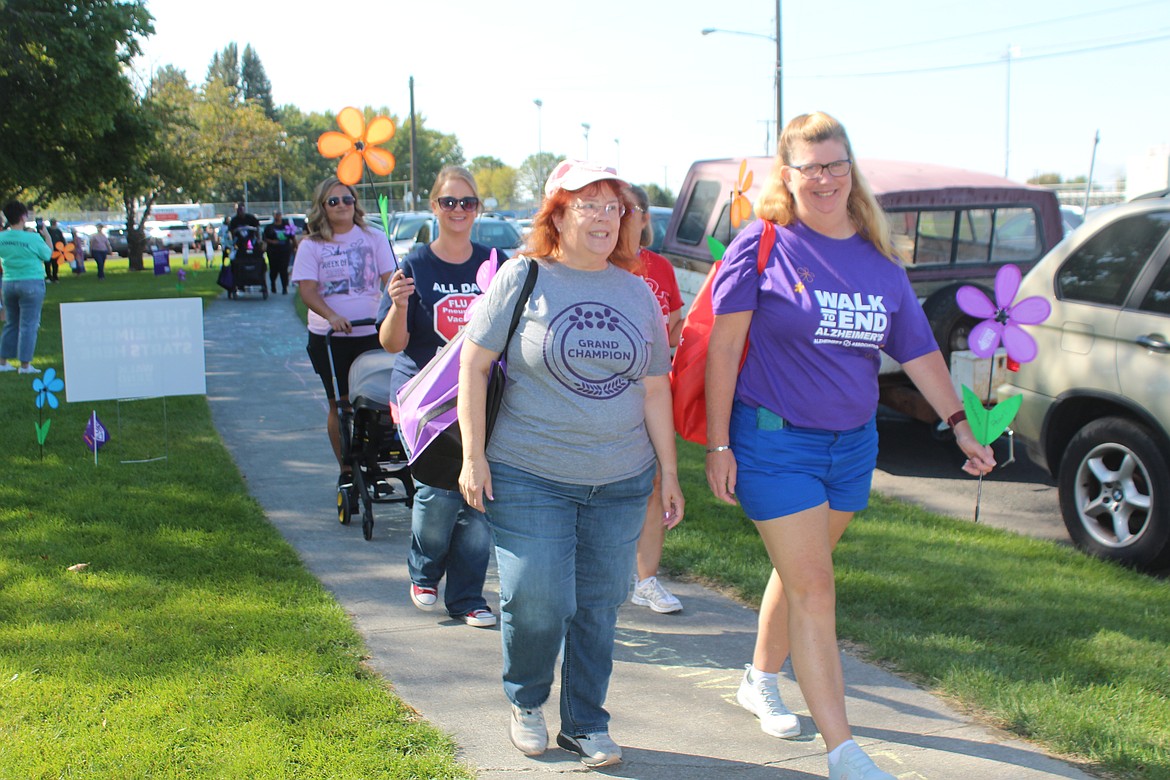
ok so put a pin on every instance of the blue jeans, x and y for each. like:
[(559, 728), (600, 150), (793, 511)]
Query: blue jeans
[(449, 537), (99, 257), (565, 555), (23, 299)]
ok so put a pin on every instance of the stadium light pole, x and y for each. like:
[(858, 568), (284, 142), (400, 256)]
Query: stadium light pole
[(586, 125), (779, 82)]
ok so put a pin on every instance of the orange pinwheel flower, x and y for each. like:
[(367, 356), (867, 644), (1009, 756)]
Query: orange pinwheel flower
[(357, 142), (741, 207), (63, 252)]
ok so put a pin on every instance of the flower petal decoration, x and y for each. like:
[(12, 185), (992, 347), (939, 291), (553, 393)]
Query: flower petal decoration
[(63, 252), (1003, 318), (741, 207), (357, 143), (45, 387)]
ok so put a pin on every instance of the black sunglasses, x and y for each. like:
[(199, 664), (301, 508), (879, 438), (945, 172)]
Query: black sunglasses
[(348, 200), (447, 203)]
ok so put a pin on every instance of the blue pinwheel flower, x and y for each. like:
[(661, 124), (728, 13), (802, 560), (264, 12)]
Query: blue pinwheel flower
[(45, 387)]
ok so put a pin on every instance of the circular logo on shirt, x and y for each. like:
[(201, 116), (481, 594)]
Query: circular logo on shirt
[(594, 350)]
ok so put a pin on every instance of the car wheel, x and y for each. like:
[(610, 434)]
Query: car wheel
[(950, 324), (1114, 487)]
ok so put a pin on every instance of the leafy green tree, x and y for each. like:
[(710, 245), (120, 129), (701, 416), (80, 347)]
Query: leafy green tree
[(254, 82), (535, 170), (301, 166), (659, 196), (225, 68), (1046, 178), (62, 89)]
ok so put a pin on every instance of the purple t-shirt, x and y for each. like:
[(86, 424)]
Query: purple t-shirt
[(822, 311)]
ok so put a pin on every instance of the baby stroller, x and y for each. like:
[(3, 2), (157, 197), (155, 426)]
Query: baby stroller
[(248, 268), (369, 439)]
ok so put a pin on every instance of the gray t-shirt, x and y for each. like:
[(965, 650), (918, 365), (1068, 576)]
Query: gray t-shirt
[(573, 404)]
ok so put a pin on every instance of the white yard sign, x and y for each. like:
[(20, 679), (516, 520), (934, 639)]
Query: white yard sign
[(133, 349)]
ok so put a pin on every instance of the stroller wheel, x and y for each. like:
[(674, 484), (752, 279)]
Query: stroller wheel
[(343, 506), (368, 524)]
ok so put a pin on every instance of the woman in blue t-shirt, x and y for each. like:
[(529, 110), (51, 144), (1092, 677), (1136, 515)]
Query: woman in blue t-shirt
[(424, 306), (792, 436)]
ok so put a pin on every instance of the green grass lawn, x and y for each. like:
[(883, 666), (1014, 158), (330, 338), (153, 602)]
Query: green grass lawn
[(195, 644), (1070, 652)]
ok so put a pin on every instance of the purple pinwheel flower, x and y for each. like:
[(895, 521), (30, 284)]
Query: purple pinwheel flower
[(1002, 319)]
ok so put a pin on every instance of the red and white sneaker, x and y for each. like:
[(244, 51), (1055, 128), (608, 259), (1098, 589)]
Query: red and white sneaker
[(480, 618), (423, 598)]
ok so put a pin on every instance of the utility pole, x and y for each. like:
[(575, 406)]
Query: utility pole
[(413, 138)]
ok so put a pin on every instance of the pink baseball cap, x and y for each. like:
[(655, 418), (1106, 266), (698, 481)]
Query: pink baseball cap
[(572, 175)]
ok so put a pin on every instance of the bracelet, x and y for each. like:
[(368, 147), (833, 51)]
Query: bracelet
[(956, 418), (720, 448)]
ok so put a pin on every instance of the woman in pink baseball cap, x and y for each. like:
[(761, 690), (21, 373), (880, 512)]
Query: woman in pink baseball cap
[(585, 421)]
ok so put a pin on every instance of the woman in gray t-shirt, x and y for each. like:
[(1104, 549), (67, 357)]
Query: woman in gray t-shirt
[(585, 418)]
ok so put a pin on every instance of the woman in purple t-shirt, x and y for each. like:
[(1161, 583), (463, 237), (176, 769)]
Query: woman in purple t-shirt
[(792, 436)]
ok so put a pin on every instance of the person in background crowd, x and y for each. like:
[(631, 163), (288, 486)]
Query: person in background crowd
[(279, 242), (587, 374), (425, 305), (339, 269), (79, 244), (659, 275), (99, 247), (55, 237), (22, 257), (792, 436)]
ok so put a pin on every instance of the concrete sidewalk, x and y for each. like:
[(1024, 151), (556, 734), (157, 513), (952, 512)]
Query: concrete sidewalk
[(673, 690)]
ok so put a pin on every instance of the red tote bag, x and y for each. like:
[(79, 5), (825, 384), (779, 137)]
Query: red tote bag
[(688, 371)]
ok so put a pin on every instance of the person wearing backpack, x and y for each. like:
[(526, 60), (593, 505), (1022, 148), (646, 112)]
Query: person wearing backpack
[(424, 306), (584, 422), (792, 436)]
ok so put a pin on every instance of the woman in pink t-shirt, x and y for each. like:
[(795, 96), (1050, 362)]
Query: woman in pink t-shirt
[(340, 270)]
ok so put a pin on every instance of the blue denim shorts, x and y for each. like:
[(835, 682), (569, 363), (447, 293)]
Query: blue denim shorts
[(782, 470)]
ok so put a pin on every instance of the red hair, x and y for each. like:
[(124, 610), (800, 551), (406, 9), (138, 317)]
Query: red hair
[(544, 240)]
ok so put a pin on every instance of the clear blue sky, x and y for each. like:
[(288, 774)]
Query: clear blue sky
[(910, 79)]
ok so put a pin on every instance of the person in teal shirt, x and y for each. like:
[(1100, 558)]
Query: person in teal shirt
[(23, 255)]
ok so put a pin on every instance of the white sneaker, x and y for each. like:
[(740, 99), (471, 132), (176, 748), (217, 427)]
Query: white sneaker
[(762, 699), (28, 370), (595, 749), (479, 618), (527, 731), (651, 593), (6, 367), (854, 764)]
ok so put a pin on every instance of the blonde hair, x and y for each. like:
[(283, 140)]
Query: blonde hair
[(449, 172), (544, 240), (318, 219), (777, 204)]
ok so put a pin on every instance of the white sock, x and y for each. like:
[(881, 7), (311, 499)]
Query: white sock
[(835, 755), (755, 674)]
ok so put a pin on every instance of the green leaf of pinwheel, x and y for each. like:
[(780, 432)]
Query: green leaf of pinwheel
[(717, 248), (42, 431), (384, 210), (987, 425)]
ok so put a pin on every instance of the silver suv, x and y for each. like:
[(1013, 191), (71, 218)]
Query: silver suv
[(1096, 408)]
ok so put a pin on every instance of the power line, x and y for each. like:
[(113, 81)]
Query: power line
[(997, 61), (964, 36)]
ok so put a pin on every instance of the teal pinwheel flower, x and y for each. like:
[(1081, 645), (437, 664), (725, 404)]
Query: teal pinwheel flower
[(46, 386)]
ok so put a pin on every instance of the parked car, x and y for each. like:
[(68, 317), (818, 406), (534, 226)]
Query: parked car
[(1096, 400), (408, 228), (659, 219), (169, 235), (119, 245)]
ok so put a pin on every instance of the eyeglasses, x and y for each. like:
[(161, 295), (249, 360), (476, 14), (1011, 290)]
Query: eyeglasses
[(348, 200), (447, 203), (639, 209), (595, 210), (836, 168)]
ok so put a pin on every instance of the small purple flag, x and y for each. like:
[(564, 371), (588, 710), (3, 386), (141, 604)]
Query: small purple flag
[(95, 434)]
